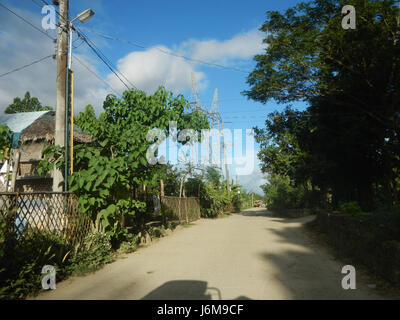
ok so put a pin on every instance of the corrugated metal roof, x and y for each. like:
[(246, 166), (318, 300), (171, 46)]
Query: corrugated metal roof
[(17, 122)]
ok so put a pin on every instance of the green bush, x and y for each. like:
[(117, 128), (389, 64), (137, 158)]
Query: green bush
[(157, 232), (130, 244), (351, 208), (95, 252), (22, 261), (281, 194), (213, 200)]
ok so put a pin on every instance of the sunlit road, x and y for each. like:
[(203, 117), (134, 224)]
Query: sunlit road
[(251, 255)]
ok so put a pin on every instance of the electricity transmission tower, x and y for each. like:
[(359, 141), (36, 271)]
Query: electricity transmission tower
[(214, 117), (217, 122), (195, 104)]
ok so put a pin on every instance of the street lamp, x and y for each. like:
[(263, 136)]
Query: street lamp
[(83, 17)]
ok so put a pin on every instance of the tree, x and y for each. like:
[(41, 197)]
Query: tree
[(347, 141), (27, 104), (213, 176), (108, 171)]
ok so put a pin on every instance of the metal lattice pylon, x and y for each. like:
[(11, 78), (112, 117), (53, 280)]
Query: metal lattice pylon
[(194, 96), (214, 112)]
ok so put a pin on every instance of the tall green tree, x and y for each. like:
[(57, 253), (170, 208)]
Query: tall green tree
[(108, 171), (27, 104), (350, 78)]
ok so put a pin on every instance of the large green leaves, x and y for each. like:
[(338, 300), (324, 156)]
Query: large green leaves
[(107, 170)]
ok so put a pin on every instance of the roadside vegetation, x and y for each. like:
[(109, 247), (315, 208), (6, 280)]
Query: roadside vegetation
[(339, 157), (115, 185), (344, 147)]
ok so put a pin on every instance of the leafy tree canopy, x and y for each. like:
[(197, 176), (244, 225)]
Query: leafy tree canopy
[(27, 104), (347, 140), (108, 171)]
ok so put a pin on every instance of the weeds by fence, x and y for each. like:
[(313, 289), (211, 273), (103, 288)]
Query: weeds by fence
[(48, 212)]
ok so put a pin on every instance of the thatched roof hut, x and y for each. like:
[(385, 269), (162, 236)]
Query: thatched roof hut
[(44, 129), (32, 132)]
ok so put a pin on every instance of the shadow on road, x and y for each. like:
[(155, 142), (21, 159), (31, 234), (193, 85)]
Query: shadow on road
[(186, 290), (308, 271)]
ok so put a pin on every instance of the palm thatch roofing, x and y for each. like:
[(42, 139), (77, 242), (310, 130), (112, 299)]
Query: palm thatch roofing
[(43, 128)]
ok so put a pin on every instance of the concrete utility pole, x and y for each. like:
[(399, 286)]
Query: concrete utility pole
[(61, 98)]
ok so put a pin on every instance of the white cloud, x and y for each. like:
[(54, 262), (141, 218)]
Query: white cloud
[(242, 46), (149, 69), (20, 44)]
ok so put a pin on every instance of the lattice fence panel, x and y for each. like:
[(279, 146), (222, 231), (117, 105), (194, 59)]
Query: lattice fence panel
[(50, 212)]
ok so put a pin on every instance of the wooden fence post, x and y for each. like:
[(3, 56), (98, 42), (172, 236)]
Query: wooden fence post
[(163, 217), (17, 155), (162, 187)]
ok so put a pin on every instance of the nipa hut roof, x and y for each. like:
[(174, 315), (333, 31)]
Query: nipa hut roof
[(44, 128)]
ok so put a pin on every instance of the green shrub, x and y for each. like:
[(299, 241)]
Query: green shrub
[(130, 244), (22, 261), (281, 193), (351, 208), (213, 200), (95, 252), (157, 232)]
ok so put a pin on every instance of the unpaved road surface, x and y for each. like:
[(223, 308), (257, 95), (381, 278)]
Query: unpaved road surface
[(251, 255)]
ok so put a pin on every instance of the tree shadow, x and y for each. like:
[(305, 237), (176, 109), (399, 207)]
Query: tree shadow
[(309, 272), (304, 219)]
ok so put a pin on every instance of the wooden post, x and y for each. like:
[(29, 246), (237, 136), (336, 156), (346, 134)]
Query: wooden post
[(61, 89), (162, 187), (163, 217), (17, 155), (8, 172)]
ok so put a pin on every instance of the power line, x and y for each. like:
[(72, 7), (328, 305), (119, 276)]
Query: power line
[(25, 66), (96, 50), (104, 59), (105, 62), (26, 21), (253, 118), (94, 73), (171, 53)]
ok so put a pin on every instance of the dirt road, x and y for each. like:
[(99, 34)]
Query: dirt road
[(251, 255)]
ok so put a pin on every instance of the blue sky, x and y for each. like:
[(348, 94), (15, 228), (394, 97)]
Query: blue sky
[(219, 31)]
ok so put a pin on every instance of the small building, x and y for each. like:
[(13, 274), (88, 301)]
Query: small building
[(32, 132)]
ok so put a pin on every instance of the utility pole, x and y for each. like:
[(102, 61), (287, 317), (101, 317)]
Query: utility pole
[(62, 79)]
